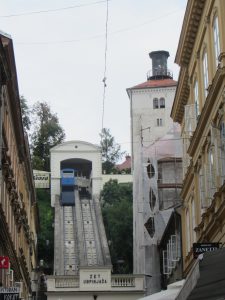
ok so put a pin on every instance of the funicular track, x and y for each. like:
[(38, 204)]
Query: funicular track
[(71, 252), (90, 239), (80, 235)]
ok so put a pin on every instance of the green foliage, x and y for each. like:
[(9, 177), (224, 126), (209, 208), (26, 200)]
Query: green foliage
[(47, 134), (46, 234), (25, 111), (111, 151), (118, 219)]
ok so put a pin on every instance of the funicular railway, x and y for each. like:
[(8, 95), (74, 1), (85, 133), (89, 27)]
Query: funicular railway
[(81, 242), (82, 263)]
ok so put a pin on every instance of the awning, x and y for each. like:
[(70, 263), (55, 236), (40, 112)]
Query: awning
[(211, 283), (169, 294)]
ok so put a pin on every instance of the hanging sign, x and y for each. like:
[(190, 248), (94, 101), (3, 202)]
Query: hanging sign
[(41, 179), (4, 262), (9, 293), (199, 248)]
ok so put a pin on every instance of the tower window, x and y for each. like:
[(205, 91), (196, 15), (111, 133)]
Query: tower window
[(150, 170), (155, 103), (162, 102), (150, 226), (159, 122)]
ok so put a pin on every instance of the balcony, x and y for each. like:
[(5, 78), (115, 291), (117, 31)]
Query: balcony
[(159, 74)]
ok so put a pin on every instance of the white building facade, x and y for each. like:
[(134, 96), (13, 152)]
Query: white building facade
[(76, 149), (150, 108)]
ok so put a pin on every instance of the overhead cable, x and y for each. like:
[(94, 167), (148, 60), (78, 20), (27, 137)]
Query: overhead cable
[(52, 10), (105, 63), (99, 35)]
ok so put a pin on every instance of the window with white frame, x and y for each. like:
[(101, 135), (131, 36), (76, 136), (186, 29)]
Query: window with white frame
[(166, 269), (211, 173), (159, 122), (196, 98), (216, 38), (172, 254), (188, 237), (202, 187), (155, 103), (205, 73), (186, 157), (193, 220), (222, 151)]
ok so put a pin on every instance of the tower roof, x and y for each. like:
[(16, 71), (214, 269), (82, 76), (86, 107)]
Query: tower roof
[(154, 84)]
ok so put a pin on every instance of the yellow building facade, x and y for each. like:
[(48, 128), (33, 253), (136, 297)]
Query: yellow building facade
[(199, 107), (18, 209)]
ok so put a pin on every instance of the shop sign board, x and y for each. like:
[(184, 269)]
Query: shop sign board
[(4, 262), (199, 248), (10, 293), (41, 179)]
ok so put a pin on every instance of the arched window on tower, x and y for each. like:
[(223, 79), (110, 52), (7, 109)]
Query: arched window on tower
[(155, 103), (162, 102)]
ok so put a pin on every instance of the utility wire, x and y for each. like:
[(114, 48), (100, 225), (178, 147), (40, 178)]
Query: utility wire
[(105, 63), (99, 35), (53, 10)]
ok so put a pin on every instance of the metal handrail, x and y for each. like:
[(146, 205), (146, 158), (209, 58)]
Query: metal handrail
[(159, 73)]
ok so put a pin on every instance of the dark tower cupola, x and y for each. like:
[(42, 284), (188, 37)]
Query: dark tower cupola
[(159, 66)]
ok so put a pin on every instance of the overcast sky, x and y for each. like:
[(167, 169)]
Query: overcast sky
[(60, 56)]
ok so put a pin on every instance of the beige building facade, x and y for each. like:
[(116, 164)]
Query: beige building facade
[(199, 108), (18, 209)]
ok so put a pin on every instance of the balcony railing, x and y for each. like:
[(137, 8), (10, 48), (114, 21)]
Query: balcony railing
[(159, 74), (123, 281), (118, 282), (67, 282)]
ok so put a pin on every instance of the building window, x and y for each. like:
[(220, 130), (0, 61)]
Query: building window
[(155, 103), (216, 39), (150, 226), (159, 122), (152, 199), (222, 150), (202, 188), (162, 102), (211, 174), (196, 98), (193, 221), (205, 72), (188, 237), (150, 170)]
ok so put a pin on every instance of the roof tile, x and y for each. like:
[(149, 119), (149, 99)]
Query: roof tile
[(155, 83)]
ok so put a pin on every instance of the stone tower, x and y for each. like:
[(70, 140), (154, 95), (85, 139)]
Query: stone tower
[(150, 107)]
